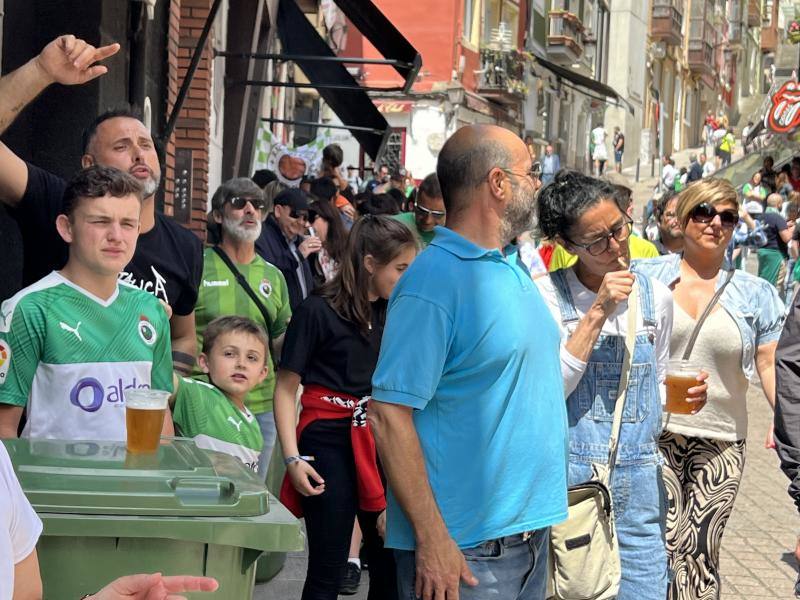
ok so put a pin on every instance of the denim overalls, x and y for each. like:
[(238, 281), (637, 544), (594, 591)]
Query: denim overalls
[(637, 489)]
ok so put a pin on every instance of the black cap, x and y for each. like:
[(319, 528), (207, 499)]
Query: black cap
[(294, 198), (399, 174)]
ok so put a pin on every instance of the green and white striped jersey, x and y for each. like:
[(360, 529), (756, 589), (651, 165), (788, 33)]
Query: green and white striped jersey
[(203, 412), (220, 294), (69, 356)]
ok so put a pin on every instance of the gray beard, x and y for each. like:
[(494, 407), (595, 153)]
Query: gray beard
[(150, 186), (233, 229), (519, 216)]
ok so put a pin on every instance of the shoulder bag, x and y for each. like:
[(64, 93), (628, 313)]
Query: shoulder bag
[(584, 551), (250, 292)]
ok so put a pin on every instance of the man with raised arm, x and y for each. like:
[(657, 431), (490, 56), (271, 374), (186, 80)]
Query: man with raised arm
[(168, 261)]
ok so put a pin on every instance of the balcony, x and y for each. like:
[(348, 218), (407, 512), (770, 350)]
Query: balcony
[(754, 13), (769, 39), (564, 37), (502, 75), (666, 22), (701, 48)]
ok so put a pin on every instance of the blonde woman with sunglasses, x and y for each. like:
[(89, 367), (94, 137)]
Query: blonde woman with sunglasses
[(705, 452)]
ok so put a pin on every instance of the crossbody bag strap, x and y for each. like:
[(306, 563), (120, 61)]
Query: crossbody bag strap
[(622, 393), (250, 292), (714, 299)]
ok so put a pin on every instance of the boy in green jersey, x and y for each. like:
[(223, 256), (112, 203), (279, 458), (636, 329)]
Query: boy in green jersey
[(72, 343), (234, 356)]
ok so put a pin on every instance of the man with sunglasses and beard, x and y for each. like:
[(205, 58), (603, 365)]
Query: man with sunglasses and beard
[(168, 259), (465, 417), (238, 208), (772, 256), (428, 212), (283, 242)]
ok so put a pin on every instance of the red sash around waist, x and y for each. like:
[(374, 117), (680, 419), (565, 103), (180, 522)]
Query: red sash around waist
[(321, 403)]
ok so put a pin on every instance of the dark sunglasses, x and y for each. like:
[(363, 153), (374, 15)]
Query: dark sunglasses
[(704, 213), (299, 214), (436, 214), (239, 202)]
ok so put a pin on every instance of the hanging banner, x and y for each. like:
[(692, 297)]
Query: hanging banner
[(289, 164), (784, 112)]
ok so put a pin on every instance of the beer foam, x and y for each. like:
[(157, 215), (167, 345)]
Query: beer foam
[(146, 399)]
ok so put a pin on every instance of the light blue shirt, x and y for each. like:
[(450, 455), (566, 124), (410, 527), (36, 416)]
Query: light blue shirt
[(470, 344), (551, 164), (753, 303)]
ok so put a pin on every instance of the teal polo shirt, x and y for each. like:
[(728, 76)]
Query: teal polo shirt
[(481, 369)]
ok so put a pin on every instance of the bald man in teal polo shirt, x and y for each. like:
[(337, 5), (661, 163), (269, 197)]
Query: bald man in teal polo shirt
[(469, 417)]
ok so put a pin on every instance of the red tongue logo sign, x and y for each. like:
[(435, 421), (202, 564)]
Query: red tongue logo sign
[(784, 116)]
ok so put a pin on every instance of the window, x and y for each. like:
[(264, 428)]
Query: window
[(501, 23), (470, 17)]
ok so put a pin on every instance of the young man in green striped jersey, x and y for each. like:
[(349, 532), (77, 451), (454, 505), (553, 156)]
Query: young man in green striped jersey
[(72, 343), (235, 354)]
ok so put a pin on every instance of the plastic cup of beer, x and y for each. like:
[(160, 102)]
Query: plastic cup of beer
[(144, 419), (681, 376)]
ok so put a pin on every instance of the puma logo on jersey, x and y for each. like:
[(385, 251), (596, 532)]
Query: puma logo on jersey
[(237, 424), (73, 330)]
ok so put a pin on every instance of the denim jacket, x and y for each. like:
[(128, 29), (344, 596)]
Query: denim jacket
[(753, 303)]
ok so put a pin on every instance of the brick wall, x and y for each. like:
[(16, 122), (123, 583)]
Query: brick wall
[(186, 21)]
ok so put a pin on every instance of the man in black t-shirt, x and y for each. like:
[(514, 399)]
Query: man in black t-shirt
[(168, 261), (772, 256), (619, 149)]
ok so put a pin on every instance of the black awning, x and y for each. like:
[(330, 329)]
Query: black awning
[(350, 103), (386, 38), (587, 83)]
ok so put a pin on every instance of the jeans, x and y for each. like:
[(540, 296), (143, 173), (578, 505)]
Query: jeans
[(509, 568), (330, 517), (266, 421)]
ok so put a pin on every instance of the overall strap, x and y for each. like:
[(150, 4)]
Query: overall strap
[(566, 305), (647, 300), (630, 340)]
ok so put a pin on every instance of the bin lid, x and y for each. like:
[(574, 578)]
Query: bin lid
[(101, 478)]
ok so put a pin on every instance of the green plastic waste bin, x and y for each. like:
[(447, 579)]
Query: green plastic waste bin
[(181, 511)]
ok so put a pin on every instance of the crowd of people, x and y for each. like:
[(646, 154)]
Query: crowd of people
[(461, 350)]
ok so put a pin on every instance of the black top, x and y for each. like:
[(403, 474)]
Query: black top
[(11, 251), (168, 261), (324, 349), (617, 138), (774, 223), (695, 172), (273, 247)]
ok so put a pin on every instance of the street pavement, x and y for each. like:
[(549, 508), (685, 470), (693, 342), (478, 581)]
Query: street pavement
[(757, 559)]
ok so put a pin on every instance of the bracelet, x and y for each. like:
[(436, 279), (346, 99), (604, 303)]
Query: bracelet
[(290, 459)]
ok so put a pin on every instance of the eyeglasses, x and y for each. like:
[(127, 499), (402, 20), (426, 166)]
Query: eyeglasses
[(239, 202), (436, 214), (299, 214), (535, 172), (600, 245), (704, 213)]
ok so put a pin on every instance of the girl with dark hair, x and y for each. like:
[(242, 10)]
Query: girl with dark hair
[(332, 348), (327, 225), (590, 302)]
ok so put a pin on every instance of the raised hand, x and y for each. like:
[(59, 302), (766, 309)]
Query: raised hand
[(71, 61)]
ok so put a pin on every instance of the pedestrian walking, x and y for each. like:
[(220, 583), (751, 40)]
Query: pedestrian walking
[(773, 255), (466, 412), (599, 150), (619, 148), (331, 348), (551, 164), (704, 453), (591, 302)]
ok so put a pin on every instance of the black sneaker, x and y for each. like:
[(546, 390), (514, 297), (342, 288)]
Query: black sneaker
[(351, 580)]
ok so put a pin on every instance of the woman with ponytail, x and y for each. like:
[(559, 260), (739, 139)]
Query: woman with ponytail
[(332, 348)]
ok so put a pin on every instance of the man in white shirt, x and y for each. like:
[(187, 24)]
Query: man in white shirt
[(669, 173), (708, 166)]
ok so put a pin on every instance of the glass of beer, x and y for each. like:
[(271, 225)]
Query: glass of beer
[(681, 376), (144, 419)]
